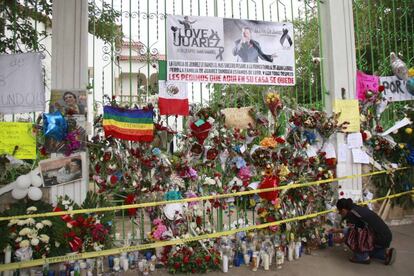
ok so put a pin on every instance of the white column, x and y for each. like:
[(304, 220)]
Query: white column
[(70, 44), (339, 60), (70, 68)]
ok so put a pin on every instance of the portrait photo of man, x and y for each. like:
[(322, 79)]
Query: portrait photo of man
[(247, 49)]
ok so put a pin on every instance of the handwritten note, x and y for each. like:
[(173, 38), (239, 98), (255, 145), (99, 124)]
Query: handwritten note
[(21, 83), (395, 89), (349, 110), (360, 156), (20, 135), (364, 83), (354, 140), (329, 149)]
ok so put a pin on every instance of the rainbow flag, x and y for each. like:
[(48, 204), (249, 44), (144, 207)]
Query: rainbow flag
[(133, 125)]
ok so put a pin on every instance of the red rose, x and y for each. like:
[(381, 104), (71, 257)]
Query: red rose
[(107, 156), (177, 265), (199, 221), (97, 168), (381, 88), (199, 261), (43, 151), (130, 199), (114, 179), (186, 259), (364, 135), (207, 258)]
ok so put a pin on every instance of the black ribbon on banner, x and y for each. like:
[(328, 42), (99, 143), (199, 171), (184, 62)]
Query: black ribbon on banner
[(285, 36), (220, 53)]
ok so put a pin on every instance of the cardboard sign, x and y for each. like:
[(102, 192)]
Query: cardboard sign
[(20, 135), (395, 89), (238, 117), (21, 83)]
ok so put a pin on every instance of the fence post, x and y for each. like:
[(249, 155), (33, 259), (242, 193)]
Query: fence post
[(339, 60), (70, 68)]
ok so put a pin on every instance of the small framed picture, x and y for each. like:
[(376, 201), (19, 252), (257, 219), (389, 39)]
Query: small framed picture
[(68, 102), (62, 170)]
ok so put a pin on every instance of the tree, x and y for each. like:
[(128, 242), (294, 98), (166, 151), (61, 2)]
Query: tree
[(18, 24)]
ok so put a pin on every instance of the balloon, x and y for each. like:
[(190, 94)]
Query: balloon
[(269, 182), (35, 178), (398, 67), (410, 86), (23, 181), (55, 125), (35, 193), (19, 193)]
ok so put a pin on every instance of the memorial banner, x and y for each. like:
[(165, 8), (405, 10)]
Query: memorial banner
[(21, 83), (222, 50)]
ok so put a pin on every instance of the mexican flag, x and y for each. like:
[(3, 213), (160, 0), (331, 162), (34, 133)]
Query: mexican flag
[(173, 98)]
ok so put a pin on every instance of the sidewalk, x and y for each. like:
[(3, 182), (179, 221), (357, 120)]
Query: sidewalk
[(334, 261)]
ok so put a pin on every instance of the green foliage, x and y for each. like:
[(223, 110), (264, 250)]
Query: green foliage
[(18, 25)]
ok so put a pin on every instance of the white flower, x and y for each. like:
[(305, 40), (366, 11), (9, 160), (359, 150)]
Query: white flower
[(31, 209), (323, 240), (24, 244), (47, 222), (12, 222), (209, 181), (19, 239), (32, 234), (57, 244), (44, 238), (65, 202), (21, 222), (30, 221), (68, 225), (35, 241), (24, 231), (39, 225)]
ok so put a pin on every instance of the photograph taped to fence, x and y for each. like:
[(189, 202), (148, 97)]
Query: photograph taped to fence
[(221, 50), (61, 170)]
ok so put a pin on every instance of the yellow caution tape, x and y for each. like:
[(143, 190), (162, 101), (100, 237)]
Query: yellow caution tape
[(117, 251), (193, 199)]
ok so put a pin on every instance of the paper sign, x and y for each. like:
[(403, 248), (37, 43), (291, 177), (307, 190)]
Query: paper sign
[(395, 89), (349, 110), (329, 149), (238, 117), (360, 156), (21, 83), (354, 140), (397, 126), (364, 83), (342, 152), (17, 134)]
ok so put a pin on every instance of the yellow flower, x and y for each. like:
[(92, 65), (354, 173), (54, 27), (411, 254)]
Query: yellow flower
[(268, 142), (409, 130), (411, 72)]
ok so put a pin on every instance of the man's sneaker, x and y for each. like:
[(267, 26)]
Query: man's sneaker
[(390, 256), (354, 260)]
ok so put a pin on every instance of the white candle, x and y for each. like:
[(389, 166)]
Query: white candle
[(265, 261), (7, 259), (291, 249), (125, 264), (297, 249), (246, 258), (225, 261)]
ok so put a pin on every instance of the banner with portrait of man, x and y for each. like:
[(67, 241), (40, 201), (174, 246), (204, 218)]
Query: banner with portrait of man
[(222, 50)]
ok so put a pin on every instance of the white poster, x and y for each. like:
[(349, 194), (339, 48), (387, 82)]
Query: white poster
[(21, 83), (395, 89), (222, 50)]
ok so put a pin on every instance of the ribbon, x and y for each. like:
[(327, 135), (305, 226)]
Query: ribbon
[(285, 36), (139, 247), (220, 53)]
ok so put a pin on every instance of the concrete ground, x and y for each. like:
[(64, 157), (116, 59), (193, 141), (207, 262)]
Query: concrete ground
[(334, 261)]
